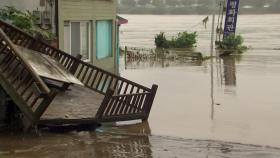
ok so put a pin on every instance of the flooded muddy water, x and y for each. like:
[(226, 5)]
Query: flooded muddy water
[(225, 108), (234, 99), (124, 142)]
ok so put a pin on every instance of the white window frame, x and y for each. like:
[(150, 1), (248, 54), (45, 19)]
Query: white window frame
[(89, 37)]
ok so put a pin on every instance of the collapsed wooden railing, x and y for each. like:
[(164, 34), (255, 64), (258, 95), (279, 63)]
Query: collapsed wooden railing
[(132, 106), (23, 85), (119, 92)]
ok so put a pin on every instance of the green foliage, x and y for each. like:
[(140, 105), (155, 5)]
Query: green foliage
[(144, 2), (158, 3), (161, 41), (16, 17), (128, 2), (25, 21), (233, 42), (182, 40), (173, 2)]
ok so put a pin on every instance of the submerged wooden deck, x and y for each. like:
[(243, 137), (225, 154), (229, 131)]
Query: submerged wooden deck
[(76, 103), (61, 89)]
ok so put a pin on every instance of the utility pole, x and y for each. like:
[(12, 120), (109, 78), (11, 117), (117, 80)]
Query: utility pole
[(213, 26), (212, 62)]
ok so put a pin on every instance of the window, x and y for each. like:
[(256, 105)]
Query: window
[(103, 39), (84, 40), (77, 38)]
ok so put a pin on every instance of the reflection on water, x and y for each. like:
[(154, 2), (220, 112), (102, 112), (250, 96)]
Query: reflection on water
[(123, 142), (226, 67), (227, 100), (229, 70), (228, 77)]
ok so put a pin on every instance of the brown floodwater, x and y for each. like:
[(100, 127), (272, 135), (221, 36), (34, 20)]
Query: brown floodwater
[(124, 142), (233, 99), (224, 108)]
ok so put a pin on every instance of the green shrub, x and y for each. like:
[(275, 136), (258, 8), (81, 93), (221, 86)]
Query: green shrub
[(16, 17), (25, 21), (182, 40), (161, 41), (232, 41)]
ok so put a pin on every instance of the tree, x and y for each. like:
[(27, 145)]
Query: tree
[(173, 2), (192, 2), (158, 3), (128, 2), (143, 2)]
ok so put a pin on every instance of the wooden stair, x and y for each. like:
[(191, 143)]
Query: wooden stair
[(26, 89), (123, 99)]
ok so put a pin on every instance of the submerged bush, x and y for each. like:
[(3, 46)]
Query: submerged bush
[(161, 41), (233, 42), (182, 40)]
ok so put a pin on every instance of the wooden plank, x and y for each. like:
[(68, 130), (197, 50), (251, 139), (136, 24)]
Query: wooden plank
[(44, 105), (125, 117), (150, 100), (65, 128), (47, 67), (26, 64), (104, 104), (67, 121), (18, 100), (79, 102)]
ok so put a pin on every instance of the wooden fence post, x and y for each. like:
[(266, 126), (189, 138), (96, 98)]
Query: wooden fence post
[(149, 102), (44, 105), (34, 45), (125, 56), (72, 70), (75, 64), (104, 103)]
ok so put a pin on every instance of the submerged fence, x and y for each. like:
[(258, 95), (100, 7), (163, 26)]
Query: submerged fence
[(136, 53)]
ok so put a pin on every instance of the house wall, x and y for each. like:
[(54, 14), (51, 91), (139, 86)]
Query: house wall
[(89, 10)]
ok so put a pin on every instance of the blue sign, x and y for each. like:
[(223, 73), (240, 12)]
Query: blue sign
[(231, 17)]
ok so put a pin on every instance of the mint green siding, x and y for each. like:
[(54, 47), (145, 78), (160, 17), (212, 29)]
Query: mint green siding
[(91, 11), (103, 39)]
